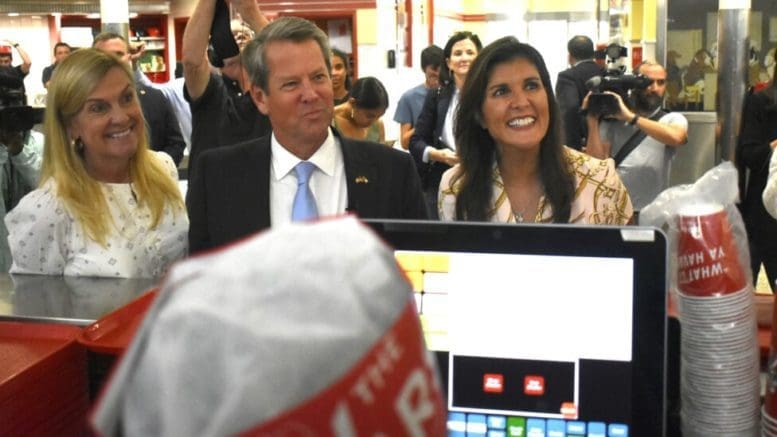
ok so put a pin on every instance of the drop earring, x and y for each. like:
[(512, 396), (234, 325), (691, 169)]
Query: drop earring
[(77, 145)]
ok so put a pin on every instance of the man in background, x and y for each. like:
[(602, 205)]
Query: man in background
[(304, 169), (219, 118), (570, 88), (164, 131), (6, 60), (21, 152), (641, 138), (61, 51), (412, 101), (173, 91)]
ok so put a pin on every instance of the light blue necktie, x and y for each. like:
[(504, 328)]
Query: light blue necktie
[(304, 207)]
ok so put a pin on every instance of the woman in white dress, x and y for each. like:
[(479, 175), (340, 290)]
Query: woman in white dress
[(106, 205)]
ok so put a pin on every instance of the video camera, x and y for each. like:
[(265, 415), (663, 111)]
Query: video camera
[(614, 79), (15, 114)]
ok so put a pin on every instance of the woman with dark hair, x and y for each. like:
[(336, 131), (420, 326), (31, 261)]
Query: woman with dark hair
[(341, 76), (359, 116), (513, 165), (433, 145), (757, 140)]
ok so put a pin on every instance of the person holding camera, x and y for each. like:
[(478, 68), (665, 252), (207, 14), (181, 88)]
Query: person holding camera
[(21, 151), (21, 154), (219, 117), (640, 137)]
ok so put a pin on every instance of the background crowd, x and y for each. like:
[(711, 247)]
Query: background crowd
[(278, 130)]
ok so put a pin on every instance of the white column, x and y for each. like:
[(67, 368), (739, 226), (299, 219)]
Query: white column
[(114, 16), (733, 37)]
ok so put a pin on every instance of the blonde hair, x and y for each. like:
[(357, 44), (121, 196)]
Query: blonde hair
[(75, 79)]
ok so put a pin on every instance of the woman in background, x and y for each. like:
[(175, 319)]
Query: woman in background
[(513, 165), (432, 144), (107, 205), (341, 76), (360, 116)]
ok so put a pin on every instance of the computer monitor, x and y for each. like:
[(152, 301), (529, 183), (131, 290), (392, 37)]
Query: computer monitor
[(542, 330)]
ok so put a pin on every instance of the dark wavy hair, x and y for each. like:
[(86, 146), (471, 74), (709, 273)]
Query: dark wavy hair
[(341, 54), (477, 149), (369, 93), (445, 73)]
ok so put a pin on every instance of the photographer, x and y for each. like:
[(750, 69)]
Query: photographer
[(21, 152), (640, 137), (6, 60)]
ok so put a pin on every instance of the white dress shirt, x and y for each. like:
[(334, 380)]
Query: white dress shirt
[(327, 182)]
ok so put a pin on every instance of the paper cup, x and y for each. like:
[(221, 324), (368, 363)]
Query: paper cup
[(770, 398), (707, 257)]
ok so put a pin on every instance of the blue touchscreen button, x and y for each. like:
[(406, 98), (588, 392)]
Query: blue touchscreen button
[(618, 430)]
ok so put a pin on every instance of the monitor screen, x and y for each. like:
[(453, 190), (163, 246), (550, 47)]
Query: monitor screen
[(537, 334)]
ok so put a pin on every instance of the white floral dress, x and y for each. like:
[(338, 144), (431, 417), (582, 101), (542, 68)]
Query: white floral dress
[(45, 238)]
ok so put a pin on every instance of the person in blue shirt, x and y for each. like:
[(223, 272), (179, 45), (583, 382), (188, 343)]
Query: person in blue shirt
[(412, 101)]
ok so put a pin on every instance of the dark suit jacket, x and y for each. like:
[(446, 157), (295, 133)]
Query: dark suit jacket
[(428, 132), (229, 195), (570, 91), (759, 128), (164, 133), (220, 120)]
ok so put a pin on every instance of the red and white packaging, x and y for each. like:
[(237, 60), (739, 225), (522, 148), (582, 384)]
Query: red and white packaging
[(308, 329), (707, 257), (710, 272)]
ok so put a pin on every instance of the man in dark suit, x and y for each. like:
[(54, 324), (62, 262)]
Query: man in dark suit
[(164, 133), (238, 190), (570, 88)]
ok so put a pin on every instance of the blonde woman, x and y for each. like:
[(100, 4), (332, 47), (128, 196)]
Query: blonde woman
[(106, 205)]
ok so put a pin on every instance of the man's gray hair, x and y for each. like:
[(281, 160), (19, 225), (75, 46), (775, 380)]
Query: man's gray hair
[(283, 29)]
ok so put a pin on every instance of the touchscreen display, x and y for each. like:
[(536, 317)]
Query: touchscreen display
[(537, 345)]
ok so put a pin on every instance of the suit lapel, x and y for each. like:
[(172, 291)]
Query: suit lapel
[(361, 177), (263, 164)]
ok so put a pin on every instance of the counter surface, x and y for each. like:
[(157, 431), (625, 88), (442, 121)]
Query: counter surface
[(65, 299)]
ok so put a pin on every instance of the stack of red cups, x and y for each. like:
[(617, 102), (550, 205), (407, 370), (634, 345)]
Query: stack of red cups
[(719, 368), (769, 411)]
